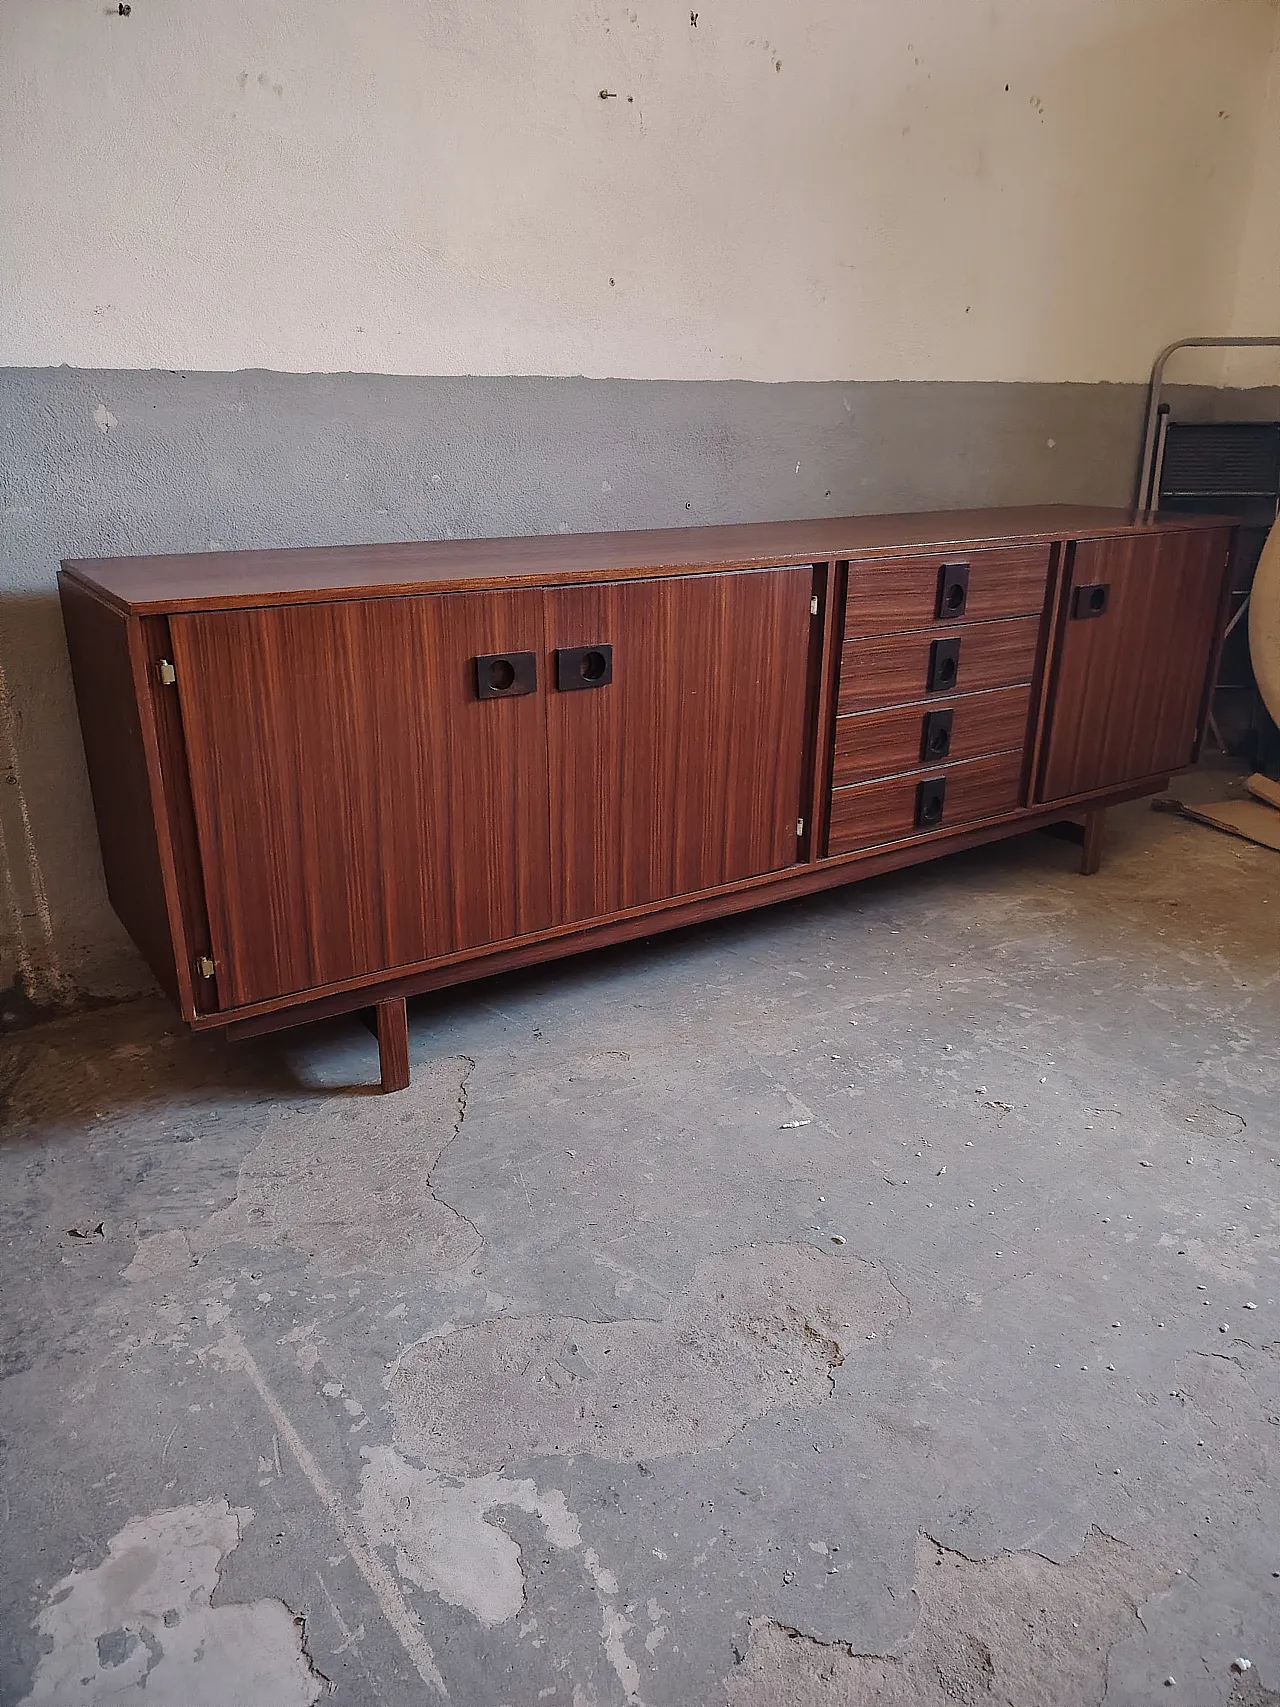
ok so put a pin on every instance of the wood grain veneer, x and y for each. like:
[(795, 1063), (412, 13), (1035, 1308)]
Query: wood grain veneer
[(871, 813), (109, 674), (1129, 684), (1095, 828), (902, 592), (391, 1026), (694, 910), (171, 787), (824, 651), (358, 807), (685, 771), (214, 579), (871, 744), (890, 669)]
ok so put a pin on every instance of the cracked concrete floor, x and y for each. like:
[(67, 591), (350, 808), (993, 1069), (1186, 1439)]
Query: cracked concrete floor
[(872, 1300)]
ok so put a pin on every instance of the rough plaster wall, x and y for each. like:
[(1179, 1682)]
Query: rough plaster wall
[(907, 189), (1257, 308)]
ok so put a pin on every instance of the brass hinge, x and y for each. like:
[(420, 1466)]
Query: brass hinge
[(168, 675), (205, 966), (813, 605)]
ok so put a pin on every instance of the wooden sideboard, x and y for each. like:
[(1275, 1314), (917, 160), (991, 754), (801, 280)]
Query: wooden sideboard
[(328, 779)]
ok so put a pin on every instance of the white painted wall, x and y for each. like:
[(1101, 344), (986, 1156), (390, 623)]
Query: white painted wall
[(860, 189), (1257, 307)]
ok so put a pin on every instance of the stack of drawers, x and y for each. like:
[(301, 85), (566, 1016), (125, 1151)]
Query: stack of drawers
[(935, 692)]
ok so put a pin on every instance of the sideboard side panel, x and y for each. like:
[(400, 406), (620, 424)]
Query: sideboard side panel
[(108, 673)]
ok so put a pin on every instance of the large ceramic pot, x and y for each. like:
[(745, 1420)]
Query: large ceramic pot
[(1264, 624)]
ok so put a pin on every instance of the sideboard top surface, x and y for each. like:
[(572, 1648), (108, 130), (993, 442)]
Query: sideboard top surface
[(213, 579)]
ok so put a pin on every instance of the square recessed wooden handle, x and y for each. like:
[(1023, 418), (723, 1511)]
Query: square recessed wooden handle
[(1090, 599), (935, 740), (583, 667), (931, 798), (506, 675), (944, 665), (953, 590)]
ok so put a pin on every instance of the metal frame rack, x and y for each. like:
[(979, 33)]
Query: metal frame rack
[(1231, 467)]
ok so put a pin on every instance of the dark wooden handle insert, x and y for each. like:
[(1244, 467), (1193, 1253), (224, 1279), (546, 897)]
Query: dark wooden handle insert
[(944, 665), (583, 667), (506, 675), (935, 741), (953, 590), (931, 797), (1091, 599)]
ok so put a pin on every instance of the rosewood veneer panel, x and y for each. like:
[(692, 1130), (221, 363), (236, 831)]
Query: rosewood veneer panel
[(902, 592), (1129, 683), (109, 672), (878, 743), (885, 811), (889, 669), (211, 580), (358, 807), (684, 772)]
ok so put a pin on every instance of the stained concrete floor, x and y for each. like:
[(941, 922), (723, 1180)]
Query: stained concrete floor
[(871, 1300)]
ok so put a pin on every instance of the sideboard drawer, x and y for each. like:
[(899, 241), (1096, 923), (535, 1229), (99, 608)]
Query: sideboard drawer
[(871, 813), (892, 669), (873, 744), (964, 586)]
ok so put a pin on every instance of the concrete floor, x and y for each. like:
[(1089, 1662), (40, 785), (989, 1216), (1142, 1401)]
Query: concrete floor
[(875, 1299)]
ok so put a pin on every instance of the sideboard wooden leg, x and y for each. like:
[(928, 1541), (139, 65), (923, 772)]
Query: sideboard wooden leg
[(1095, 824), (393, 1043)]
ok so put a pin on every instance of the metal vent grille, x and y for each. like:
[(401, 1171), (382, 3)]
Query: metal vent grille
[(1239, 459)]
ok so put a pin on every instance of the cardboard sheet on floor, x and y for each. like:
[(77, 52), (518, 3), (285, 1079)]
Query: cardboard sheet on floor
[(1252, 819)]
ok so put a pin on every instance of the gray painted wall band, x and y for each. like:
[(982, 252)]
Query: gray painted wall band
[(97, 463)]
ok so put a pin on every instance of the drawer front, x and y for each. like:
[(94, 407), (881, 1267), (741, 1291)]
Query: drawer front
[(932, 732), (893, 669), (872, 813), (974, 586)]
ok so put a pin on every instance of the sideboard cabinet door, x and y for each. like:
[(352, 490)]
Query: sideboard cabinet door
[(1138, 635), (683, 770), (359, 806)]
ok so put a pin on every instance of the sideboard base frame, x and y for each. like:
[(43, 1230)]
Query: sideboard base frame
[(830, 874)]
